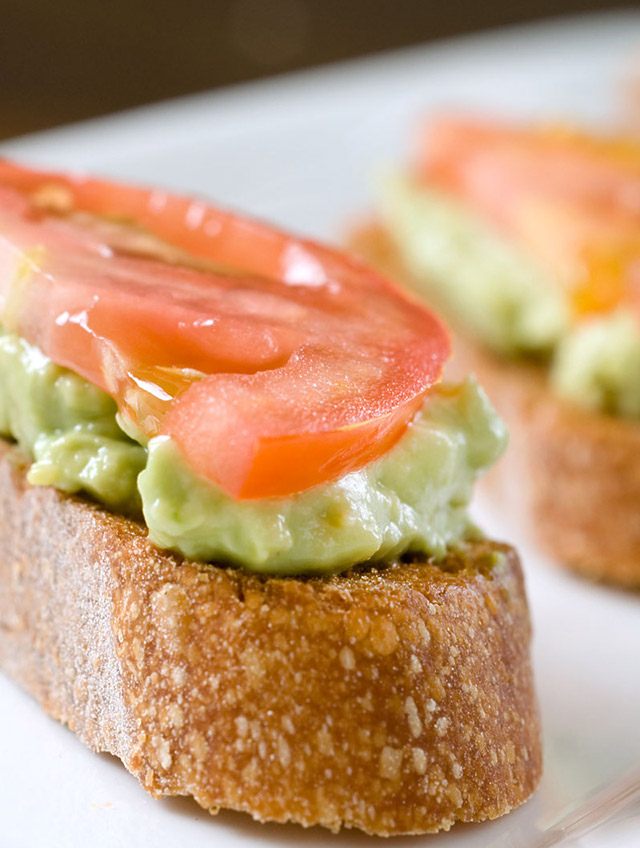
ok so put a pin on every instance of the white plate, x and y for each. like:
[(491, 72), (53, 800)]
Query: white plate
[(300, 150)]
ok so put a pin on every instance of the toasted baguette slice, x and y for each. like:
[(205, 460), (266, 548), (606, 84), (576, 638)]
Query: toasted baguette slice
[(395, 700), (571, 478)]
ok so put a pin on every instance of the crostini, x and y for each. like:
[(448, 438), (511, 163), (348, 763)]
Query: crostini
[(234, 542), (528, 240)]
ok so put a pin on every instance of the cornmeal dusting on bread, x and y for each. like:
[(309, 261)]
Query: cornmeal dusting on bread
[(395, 700), (288, 724), (415, 725), (442, 725), (347, 658), (415, 665), (383, 636), (390, 763), (419, 760)]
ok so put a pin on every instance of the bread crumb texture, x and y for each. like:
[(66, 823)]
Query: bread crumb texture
[(571, 477), (394, 700)]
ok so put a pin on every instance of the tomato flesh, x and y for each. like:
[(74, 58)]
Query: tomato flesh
[(572, 199), (275, 364)]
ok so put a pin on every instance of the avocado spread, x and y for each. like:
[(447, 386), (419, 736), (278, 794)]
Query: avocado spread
[(471, 272), (414, 499), (496, 290), (597, 364)]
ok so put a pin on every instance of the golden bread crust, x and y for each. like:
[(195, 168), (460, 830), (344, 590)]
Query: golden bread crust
[(395, 700), (570, 477)]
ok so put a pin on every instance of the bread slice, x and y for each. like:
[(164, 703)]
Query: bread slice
[(395, 700), (571, 478)]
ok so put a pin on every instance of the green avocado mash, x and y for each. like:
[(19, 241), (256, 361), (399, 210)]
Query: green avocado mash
[(68, 426), (472, 273), (501, 296), (413, 499), (597, 365)]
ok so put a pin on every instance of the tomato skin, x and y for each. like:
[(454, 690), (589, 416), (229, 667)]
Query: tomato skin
[(276, 365), (572, 199), (302, 458)]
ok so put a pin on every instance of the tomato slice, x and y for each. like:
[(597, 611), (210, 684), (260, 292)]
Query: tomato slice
[(572, 199), (275, 364)]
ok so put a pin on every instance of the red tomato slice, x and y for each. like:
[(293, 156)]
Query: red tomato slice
[(570, 198), (277, 365)]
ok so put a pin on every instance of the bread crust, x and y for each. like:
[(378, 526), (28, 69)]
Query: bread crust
[(570, 478), (395, 700)]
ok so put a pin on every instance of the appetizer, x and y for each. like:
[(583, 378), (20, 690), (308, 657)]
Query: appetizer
[(528, 239), (235, 546)]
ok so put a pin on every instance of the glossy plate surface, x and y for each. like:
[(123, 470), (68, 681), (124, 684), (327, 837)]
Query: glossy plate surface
[(301, 151)]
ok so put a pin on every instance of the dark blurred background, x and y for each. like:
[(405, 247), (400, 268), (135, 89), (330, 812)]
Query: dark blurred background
[(72, 59)]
